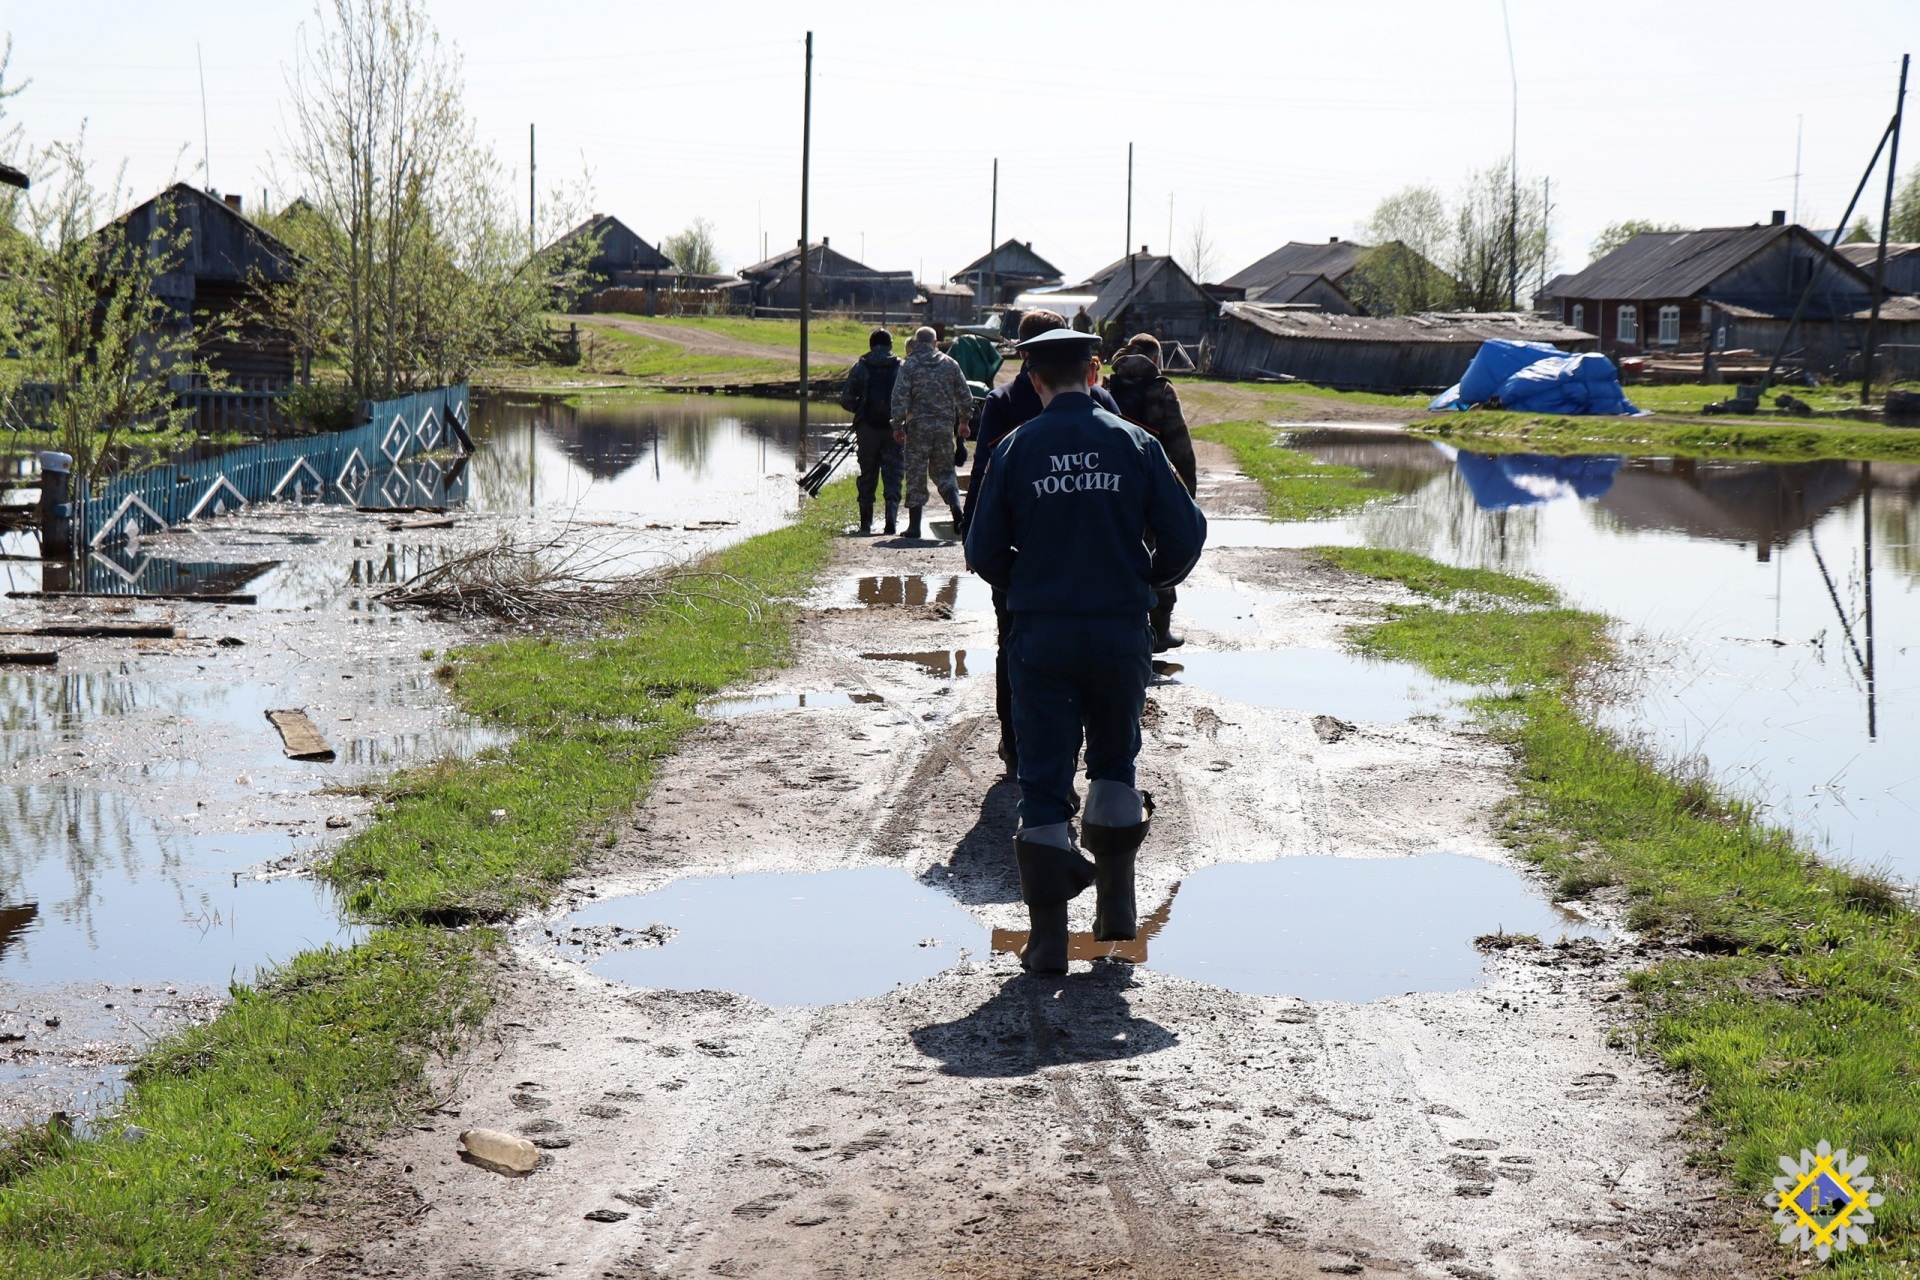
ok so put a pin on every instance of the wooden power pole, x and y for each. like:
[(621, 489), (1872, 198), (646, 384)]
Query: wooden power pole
[(806, 282), (1886, 216), (993, 239)]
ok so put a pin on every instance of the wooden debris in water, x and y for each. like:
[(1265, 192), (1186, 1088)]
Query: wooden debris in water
[(399, 526), (302, 740), (203, 598), (19, 659), (401, 511), (101, 631)]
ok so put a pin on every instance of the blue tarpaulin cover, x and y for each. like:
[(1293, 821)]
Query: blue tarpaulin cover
[(1502, 481), (1534, 377)]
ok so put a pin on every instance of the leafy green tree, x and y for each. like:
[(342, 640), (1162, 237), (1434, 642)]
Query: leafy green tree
[(1904, 226), (1615, 234), (1500, 243), (1860, 233), (1410, 230), (693, 250)]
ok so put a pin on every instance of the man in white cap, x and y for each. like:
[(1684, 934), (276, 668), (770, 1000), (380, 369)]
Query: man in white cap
[(931, 406)]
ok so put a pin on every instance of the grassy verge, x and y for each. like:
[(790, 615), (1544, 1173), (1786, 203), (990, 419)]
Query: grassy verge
[(1791, 993), (225, 1121), (826, 336), (1297, 487), (1778, 440), (607, 350)]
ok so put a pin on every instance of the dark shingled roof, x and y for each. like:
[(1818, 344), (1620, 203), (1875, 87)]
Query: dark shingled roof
[(1115, 285), (1335, 260), (1678, 264), (1012, 258)]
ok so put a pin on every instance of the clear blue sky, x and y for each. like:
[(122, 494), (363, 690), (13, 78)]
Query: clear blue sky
[(1280, 119)]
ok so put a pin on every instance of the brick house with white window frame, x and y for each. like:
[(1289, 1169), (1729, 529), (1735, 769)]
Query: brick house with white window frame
[(1674, 291)]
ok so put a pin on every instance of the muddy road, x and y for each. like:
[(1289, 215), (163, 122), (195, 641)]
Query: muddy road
[(1129, 1119)]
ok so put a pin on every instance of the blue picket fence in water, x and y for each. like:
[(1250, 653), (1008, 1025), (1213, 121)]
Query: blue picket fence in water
[(381, 464)]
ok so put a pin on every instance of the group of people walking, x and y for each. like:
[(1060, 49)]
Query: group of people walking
[(1081, 518)]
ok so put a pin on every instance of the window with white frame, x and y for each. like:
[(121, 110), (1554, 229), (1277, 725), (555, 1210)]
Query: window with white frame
[(1628, 329), (1579, 315), (1670, 326)]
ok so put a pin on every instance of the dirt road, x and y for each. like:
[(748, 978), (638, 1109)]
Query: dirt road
[(704, 342), (986, 1124)]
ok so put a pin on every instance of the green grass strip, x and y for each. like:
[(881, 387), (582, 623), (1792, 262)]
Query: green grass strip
[(328, 1050), (1793, 992), (1781, 440), (1297, 486)]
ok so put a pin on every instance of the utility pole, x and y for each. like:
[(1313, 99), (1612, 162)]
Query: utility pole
[(206, 144), (1799, 134), (1169, 224), (531, 246), (1133, 276), (806, 284), (993, 240), (1513, 174), (1886, 216), (1546, 227)]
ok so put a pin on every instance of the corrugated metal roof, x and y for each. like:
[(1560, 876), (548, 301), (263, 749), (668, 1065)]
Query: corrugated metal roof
[(1334, 260), (1677, 264), (1289, 288), (1435, 326)]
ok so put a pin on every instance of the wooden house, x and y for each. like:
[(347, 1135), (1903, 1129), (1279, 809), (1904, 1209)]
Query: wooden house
[(941, 305), (218, 273), (1012, 269), (1903, 264), (1719, 288), (835, 282), (622, 260), (1333, 274), (1426, 352), (1148, 293)]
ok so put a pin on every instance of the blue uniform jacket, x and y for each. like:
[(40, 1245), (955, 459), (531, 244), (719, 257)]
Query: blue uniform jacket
[(1005, 408), (1063, 505)]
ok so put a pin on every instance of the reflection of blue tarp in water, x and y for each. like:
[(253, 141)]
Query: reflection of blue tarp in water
[(1533, 377), (1500, 481)]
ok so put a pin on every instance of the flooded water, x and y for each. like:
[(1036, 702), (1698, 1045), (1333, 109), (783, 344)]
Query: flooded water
[(153, 833), (1780, 601), (943, 663), (1350, 929), (1323, 681), (820, 937)]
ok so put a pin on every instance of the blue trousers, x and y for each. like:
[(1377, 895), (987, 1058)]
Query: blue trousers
[(1073, 676)]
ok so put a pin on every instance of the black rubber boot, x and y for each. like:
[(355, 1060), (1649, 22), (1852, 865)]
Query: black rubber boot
[(913, 521), (1050, 877), (866, 517), (959, 523), (1164, 636), (1009, 754), (893, 516), (1113, 850)]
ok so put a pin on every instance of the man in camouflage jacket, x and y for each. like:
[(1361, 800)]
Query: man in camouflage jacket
[(931, 405)]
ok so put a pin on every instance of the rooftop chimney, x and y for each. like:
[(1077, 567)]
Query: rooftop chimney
[(825, 241), (232, 200), (1143, 248), (1333, 239), (1779, 217)]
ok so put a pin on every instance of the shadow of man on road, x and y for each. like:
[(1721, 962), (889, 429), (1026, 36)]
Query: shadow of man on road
[(1033, 1023), (981, 868)]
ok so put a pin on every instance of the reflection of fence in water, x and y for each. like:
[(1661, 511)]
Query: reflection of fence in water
[(387, 462)]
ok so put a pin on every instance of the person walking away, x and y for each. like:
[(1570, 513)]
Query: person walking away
[(1082, 322), (931, 406), (1005, 408), (1062, 506), (868, 396), (1147, 399)]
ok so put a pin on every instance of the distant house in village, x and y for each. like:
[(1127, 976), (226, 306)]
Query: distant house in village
[(1009, 271), (1724, 288), (224, 264), (1903, 264), (623, 260), (1334, 274), (1148, 293), (835, 281), (1426, 352), (945, 304)]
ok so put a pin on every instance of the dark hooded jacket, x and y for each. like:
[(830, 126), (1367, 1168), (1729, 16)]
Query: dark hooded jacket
[(868, 392), (1148, 400)]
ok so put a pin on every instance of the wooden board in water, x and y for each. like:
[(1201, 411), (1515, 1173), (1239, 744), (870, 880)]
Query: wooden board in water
[(302, 740)]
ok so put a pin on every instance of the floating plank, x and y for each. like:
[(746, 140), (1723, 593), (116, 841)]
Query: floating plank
[(29, 659), (298, 734), (202, 597), (101, 631), (400, 526), (402, 511)]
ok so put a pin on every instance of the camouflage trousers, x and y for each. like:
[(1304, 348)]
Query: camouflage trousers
[(930, 457)]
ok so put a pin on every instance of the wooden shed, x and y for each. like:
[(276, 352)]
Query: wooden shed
[(1426, 352), (223, 265), (1148, 293)]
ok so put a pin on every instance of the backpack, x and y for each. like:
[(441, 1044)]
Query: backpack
[(869, 392)]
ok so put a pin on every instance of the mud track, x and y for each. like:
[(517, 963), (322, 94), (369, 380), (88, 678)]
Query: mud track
[(986, 1124)]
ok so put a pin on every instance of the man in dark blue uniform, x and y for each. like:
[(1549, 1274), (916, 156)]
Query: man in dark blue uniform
[(1007, 407), (1059, 525)]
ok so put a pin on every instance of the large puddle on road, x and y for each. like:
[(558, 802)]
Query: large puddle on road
[(1350, 929), (1322, 681), (1780, 599), (820, 937)]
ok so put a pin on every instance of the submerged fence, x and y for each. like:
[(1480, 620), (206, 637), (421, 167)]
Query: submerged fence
[(378, 464)]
